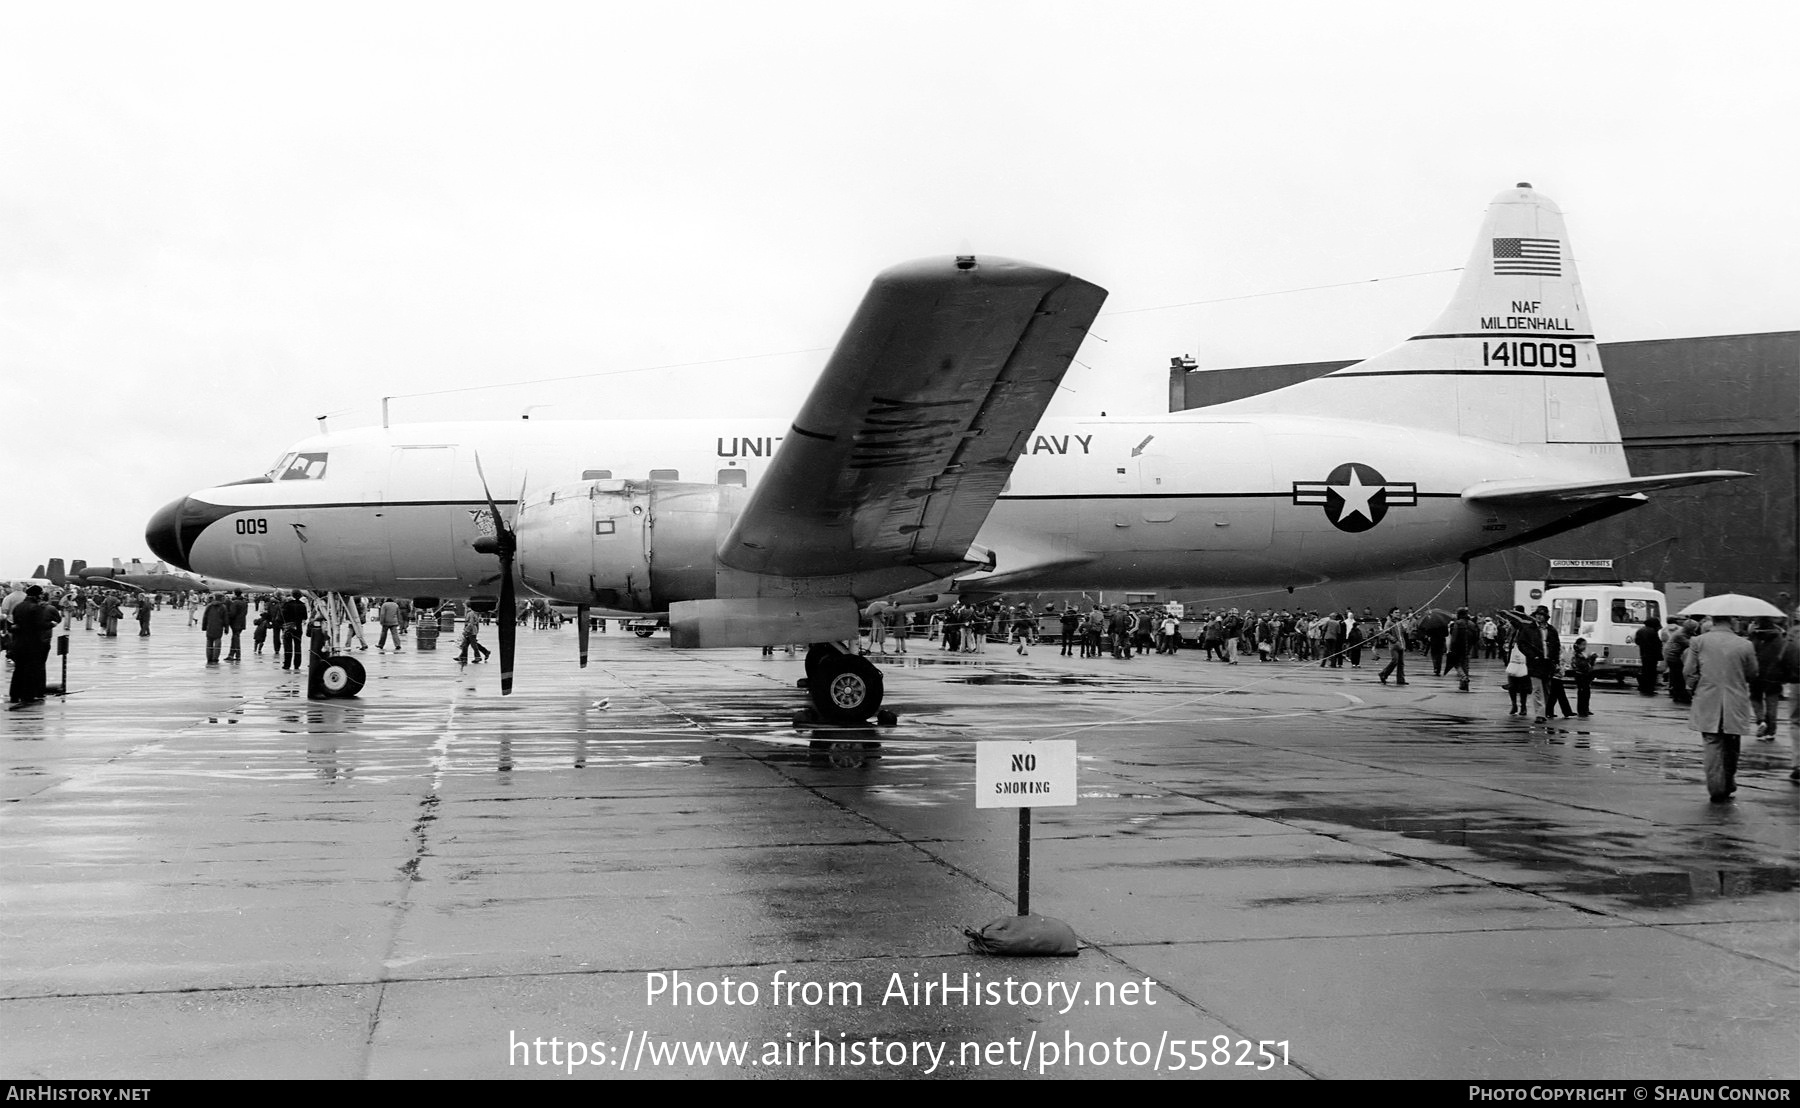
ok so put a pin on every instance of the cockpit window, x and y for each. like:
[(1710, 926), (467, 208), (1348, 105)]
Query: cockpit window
[(300, 467)]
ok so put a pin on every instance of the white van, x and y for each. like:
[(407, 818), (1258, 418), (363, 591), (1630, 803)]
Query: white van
[(1607, 616)]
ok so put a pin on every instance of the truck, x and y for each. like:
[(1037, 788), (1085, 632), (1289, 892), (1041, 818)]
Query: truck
[(1608, 617)]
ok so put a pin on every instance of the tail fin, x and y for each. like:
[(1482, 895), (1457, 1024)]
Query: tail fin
[(53, 572), (77, 566), (1512, 360)]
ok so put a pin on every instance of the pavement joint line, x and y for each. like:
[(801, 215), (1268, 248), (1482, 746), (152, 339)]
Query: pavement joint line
[(410, 875), (1181, 995), (1342, 936), (1703, 941)]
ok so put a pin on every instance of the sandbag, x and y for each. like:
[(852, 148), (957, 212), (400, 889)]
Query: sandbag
[(1025, 937)]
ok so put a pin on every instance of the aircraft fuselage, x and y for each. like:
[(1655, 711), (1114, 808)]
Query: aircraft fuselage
[(1182, 501)]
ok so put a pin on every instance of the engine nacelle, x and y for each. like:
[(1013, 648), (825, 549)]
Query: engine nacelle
[(627, 546)]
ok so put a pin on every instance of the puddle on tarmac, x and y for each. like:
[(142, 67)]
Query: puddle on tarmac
[(1026, 679), (1718, 874), (1673, 888)]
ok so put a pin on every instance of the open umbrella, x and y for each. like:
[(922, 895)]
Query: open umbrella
[(1732, 604), (1435, 619)]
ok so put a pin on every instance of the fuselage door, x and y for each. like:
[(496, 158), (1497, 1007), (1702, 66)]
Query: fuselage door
[(421, 540), (622, 537)]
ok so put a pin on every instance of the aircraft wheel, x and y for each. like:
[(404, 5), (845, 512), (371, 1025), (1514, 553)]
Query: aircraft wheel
[(815, 654), (643, 634), (848, 689), (343, 676)]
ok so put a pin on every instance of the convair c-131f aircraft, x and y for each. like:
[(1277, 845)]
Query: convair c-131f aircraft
[(921, 460)]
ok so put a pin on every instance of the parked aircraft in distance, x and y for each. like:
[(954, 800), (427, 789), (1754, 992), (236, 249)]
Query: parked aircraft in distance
[(1489, 428), (139, 577)]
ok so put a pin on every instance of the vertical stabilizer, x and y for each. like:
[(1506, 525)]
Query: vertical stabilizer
[(53, 572), (1512, 360)]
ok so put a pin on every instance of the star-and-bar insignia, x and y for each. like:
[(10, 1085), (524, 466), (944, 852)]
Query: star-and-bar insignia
[(1356, 496)]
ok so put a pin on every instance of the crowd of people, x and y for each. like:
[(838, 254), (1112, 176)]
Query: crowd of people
[(1732, 679), (1743, 678)]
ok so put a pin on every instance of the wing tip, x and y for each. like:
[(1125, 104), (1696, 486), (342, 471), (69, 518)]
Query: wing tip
[(988, 269)]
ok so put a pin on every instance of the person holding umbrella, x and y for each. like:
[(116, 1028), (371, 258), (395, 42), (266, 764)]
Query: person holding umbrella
[(1720, 666), (1434, 625), (1739, 606)]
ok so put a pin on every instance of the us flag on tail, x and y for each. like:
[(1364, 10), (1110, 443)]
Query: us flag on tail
[(1532, 257)]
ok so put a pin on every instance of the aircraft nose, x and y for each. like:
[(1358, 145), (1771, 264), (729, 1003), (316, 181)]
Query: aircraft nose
[(167, 535), (164, 533)]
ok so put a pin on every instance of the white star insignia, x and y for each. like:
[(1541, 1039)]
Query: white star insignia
[(1356, 497)]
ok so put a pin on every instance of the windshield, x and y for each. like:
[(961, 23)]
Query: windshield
[(299, 467)]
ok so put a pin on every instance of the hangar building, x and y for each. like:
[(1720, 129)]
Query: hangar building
[(1719, 402)]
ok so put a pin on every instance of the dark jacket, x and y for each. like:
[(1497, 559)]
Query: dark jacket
[(1777, 661), (1542, 649), (33, 624)]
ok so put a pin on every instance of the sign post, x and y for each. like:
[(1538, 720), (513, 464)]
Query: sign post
[(1025, 775)]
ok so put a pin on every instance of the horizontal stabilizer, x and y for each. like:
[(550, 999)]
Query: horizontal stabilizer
[(1540, 492)]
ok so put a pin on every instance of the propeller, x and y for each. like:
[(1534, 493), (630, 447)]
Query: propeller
[(504, 544)]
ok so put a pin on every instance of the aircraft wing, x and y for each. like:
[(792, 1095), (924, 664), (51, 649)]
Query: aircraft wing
[(913, 427), (1504, 492)]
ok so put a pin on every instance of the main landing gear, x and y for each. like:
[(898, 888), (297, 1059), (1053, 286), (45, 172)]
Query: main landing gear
[(845, 687)]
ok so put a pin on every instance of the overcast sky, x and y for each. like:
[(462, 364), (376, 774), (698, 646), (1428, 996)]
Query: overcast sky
[(218, 222)]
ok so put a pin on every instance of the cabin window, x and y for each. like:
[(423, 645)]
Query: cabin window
[(733, 477), (603, 527), (665, 475), (596, 475)]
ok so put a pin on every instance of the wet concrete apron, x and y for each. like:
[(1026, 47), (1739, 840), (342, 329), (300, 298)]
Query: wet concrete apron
[(207, 875)]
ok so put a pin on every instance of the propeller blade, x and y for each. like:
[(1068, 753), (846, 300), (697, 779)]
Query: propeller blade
[(581, 632), (504, 546), (508, 623)]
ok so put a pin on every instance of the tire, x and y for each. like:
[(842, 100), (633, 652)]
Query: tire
[(343, 677), (815, 654), (644, 634), (848, 689)]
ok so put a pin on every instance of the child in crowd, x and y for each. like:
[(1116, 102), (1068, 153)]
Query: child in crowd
[(1581, 671), (1518, 685)]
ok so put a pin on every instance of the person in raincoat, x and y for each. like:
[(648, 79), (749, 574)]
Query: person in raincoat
[(1720, 666)]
